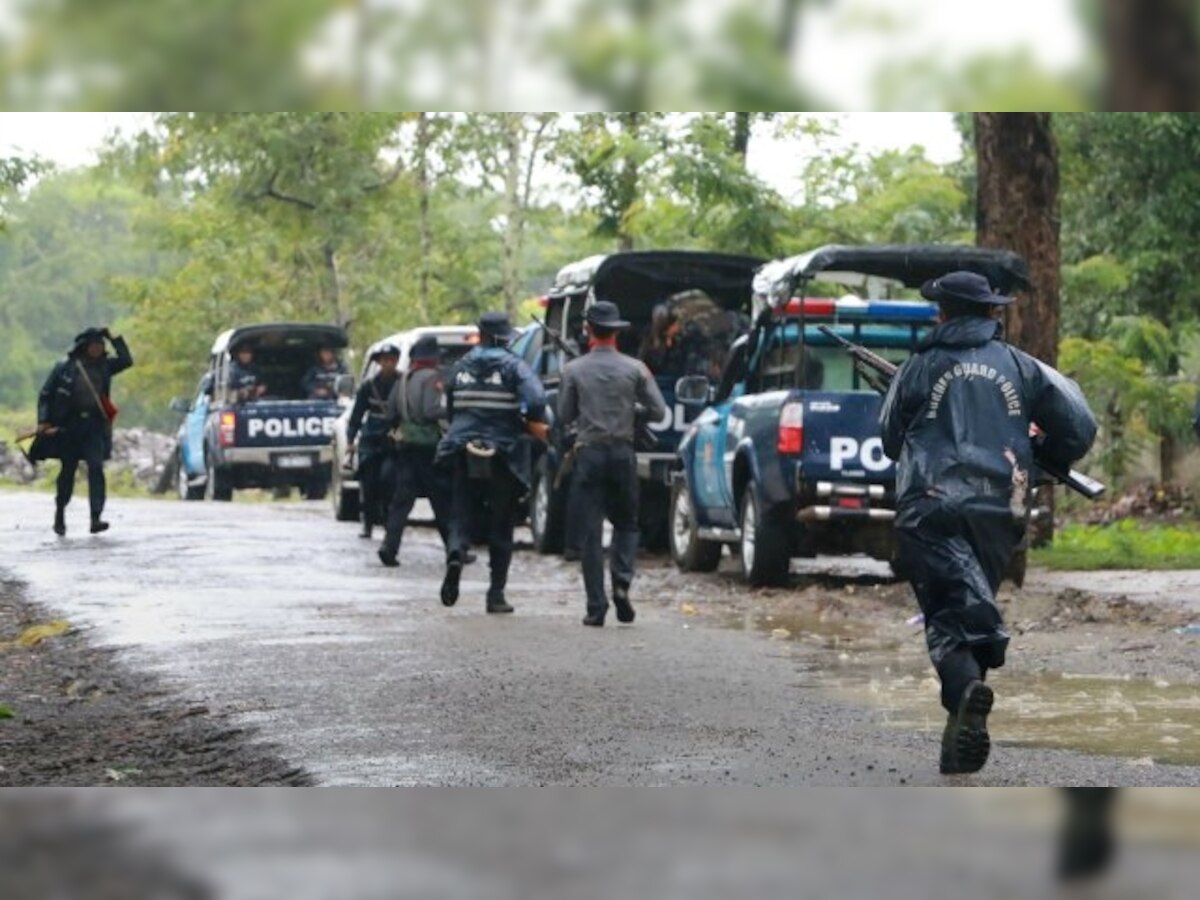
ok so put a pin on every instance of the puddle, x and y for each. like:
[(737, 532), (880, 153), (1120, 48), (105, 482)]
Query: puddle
[(1114, 716)]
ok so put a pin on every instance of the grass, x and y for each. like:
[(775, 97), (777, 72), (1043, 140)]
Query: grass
[(1123, 545)]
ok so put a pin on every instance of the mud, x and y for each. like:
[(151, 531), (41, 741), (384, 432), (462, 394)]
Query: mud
[(80, 717)]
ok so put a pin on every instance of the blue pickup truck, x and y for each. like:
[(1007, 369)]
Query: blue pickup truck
[(280, 439), (685, 308), (787, 458)]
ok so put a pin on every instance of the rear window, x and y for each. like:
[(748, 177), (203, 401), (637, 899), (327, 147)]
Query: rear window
[(822, 365)]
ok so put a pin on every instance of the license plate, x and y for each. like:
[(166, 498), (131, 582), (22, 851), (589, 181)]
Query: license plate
[(294, 461)]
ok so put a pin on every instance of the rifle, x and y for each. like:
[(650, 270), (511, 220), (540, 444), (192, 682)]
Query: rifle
[(555, 338), (878, 372)]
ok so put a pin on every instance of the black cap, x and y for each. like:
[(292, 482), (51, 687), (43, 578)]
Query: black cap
[(88, 336), (496, 325), (605, 314), (424, 347), (970, 287), (388, 349)]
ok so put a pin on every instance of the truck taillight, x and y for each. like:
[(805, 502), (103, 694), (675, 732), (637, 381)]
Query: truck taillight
[(791, 428), (225, 434)]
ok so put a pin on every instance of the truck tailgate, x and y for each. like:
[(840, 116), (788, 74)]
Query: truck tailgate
[(283, 423), (841, 437)]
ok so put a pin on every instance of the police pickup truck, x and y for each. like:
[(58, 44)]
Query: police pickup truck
[(788, 459), (685, 309), (280, 438)]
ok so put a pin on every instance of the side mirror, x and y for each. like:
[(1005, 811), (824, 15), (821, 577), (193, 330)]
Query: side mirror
[(693, 390), (180, 405), (345, 386)]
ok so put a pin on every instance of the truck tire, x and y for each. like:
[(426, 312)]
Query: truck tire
[(766, 553), (690, 552), (345, 500), (219, 485), (547, 512), (185, 490)]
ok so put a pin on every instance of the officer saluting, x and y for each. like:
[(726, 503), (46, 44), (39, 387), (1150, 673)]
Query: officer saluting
[(415, 410), (956, 419), (489, 397), (370, 416), (598, 394), (74, 404)]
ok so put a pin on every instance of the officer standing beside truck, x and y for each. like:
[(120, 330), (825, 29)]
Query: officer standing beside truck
[(367, 430), (956, 419), (75, 413), (415, 411), (599, 395), (490, 398)]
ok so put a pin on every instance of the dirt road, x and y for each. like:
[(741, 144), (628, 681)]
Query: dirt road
[(281, 622)]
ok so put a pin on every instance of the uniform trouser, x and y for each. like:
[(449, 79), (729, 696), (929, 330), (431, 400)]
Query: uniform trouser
[(415, 476), (501, 491), (85, 442), (955, 569), (604, 485), (374, 469)]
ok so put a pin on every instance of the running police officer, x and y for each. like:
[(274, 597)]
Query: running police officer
[(490, 397), (74, 404), (369, 416), (598, 395), (320, 381), (956, 418), (415, 410), (245, 381)]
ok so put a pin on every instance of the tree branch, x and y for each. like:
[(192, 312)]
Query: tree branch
[(270, 191)]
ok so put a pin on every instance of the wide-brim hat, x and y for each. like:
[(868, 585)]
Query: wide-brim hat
[(88, 336), (605, 314), (968, 287), (385, 350), (496, 325)]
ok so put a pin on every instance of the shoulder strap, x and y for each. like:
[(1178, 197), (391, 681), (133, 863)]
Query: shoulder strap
[(91, 387), (404, 396)]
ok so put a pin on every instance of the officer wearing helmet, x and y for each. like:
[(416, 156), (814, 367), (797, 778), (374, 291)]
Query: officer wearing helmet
[(600, 396), (490, 397), (74, 410), (956, 419), (367, 432)]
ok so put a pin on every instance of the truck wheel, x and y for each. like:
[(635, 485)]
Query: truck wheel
[(766, 554), (345, 500), (690, 552), (546, 511), (185, 490), (316, 489), (218, 486)]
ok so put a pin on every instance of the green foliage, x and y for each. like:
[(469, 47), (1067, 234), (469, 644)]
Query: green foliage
[(6, 712), (1125, 544)]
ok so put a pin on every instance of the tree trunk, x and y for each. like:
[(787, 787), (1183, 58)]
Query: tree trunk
[(741, 135), (1167, 451), (1017, 209), (424, 231), (628, 181), (334, 285), (1153, 55), (512, 209)]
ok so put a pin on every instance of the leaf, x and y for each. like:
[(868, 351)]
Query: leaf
[(6, 712), (34, 635)]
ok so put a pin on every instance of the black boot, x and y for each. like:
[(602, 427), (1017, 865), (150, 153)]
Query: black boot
[(98, 525), (496, 602), (60, 520), (620, 599), (450, 581), (965, 742), (365, 531), (387, 556)]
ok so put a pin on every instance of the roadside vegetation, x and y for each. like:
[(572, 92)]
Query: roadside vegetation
[(1126, 544)]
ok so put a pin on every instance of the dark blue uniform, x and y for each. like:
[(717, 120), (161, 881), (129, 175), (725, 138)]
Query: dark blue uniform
[(488, 396), (244, 381), (369, 425), (320, 382), (69, 404), (956, 419)]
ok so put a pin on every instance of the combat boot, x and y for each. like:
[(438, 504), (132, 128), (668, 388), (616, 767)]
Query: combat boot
[(450, 581), (98, 525), (620, 599), (496, 602), (965, 742), (365, 531), (60, 520)]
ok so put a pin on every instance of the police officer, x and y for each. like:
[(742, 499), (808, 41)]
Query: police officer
[(598, 396), (415, 410), (956, 419), (490, 396), (370, 417), (320, 381), (245, 381), (74, 405)]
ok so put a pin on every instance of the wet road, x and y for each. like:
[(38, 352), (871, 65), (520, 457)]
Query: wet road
[(278, 614)]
